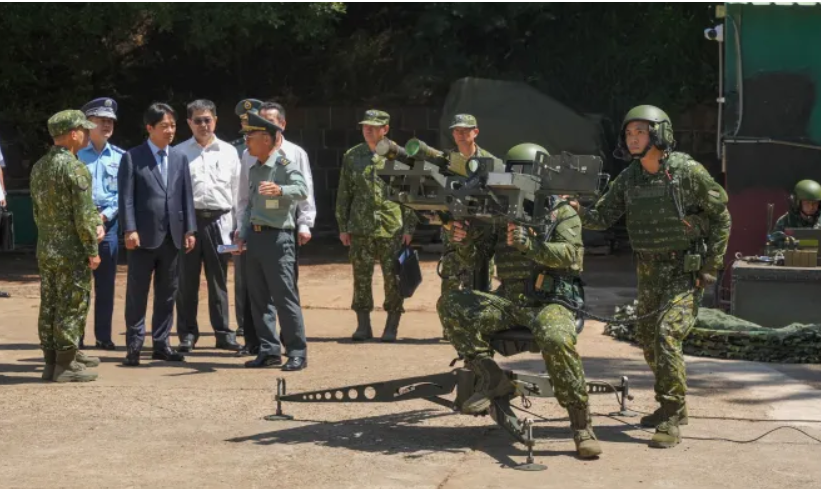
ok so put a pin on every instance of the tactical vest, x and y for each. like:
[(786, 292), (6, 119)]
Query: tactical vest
[(653, 221), (515, 270)]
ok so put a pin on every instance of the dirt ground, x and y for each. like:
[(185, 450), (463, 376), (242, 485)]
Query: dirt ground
[(200, 423)]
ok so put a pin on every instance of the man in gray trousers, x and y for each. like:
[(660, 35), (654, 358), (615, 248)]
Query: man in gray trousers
[(267, 227)]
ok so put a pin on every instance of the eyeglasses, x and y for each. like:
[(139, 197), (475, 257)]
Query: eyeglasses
[(202, 120)]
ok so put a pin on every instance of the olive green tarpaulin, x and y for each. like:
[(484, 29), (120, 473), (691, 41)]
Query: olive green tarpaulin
[(510, 113), (721, 335)]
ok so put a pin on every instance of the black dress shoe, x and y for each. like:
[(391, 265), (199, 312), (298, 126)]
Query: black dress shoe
[(263, 361), (168, 355), (295, 363), (105, 345), (132, 358), (228, 343), (185, 345), (246, 351), (240, 332)]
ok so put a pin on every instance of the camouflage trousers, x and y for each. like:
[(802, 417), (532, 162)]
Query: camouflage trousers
[(363, 253), (471, 317), (476, 276), (661, 336), (65, 294)]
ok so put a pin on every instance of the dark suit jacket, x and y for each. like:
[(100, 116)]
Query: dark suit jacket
[(149, 207)]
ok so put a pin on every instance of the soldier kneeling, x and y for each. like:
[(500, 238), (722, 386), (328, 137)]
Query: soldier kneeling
[(533, 270)]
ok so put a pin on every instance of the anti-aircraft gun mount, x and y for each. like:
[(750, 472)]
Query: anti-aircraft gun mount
[(428, 180), (435, 387)]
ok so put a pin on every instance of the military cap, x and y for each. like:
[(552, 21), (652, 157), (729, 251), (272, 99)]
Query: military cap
[(257, 123), (101, 107), (375, 118), (463, 120), (247, 105), (66, 120)]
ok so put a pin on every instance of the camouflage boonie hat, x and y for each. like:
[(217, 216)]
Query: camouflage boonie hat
[(375, 118), (463, 120), (66, 120), (247, 105)]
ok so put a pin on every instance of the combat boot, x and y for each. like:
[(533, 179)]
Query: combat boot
[(50, 356), (492, 382), (86, 360), (68, 370), (584, 438), (653, 419), (392, 324), (363, 327), (667, 432)]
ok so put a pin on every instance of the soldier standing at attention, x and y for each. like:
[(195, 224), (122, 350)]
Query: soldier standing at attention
[(69, 228), (103, 162), (372, 226), (678, 224), (476, 274)]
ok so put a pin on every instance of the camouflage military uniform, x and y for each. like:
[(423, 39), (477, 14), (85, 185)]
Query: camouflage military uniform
[(477, 271), (532, 272), (660, 237), (376, 226), (67, 223), (793, 219), (471, 316)]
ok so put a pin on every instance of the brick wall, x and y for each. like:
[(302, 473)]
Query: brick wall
[(326, 133)]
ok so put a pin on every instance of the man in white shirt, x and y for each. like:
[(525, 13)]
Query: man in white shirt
[(306, 209), (215, 176)]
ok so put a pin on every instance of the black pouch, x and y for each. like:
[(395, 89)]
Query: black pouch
[(407, 268), (6, 230)]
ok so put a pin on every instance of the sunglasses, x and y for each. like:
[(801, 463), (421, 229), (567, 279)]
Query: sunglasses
[(202, 120)]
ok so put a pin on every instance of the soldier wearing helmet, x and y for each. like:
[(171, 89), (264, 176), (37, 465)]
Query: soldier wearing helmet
[(804, 207), (535, 271), (678, 224)]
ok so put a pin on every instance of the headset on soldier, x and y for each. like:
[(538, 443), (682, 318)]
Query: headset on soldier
[(660, 129)]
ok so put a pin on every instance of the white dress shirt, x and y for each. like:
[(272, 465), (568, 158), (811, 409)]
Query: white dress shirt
[(306, 209), (215, 178)]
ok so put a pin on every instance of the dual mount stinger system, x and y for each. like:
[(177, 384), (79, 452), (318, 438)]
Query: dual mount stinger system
[(452, 187)]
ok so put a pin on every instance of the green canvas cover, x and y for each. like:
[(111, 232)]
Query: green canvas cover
[(509, 113)]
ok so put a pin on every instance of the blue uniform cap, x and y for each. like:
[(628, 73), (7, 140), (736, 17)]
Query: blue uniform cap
[(101, 107)]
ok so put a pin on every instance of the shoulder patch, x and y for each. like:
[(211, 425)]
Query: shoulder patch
[(80, 177)]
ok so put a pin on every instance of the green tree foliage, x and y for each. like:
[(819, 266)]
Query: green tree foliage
[(593, 57)]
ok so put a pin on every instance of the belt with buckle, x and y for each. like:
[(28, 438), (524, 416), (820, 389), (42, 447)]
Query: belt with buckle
[(258, 228), (209, 214)]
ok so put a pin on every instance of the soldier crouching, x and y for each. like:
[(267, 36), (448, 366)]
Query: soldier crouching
[(533, 270)]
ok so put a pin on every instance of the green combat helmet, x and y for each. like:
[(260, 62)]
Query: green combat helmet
[(805, 190), (661, 131), (523, 154)]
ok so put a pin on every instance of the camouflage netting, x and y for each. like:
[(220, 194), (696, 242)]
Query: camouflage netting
[(721, 335)]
